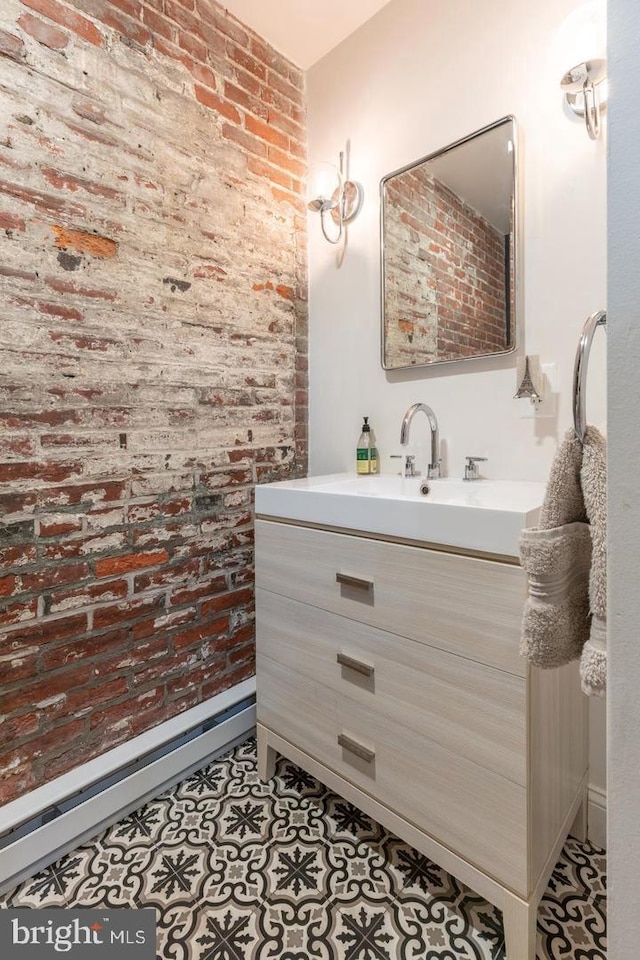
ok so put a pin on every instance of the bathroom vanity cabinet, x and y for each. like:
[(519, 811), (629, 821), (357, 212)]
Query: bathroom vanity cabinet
[(390, 670)]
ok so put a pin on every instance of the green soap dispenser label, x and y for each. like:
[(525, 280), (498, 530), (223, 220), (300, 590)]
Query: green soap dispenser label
[(363, 461)]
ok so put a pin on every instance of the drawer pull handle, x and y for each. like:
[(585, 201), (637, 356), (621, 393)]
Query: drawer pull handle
[(364, 668), (348, 581), (354, 747)]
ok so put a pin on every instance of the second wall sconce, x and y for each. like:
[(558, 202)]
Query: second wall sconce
[(328, 193), (585, 91)]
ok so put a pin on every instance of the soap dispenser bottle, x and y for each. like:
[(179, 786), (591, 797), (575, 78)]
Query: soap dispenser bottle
[(366, 453)]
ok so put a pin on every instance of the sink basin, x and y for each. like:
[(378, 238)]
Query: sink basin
[(480, 515)]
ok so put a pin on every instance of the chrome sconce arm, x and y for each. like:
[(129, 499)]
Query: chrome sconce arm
[(332, 195), (584, 87)]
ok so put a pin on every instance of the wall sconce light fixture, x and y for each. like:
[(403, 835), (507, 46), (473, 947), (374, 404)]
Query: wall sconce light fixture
[(585, 91), (329, 193)]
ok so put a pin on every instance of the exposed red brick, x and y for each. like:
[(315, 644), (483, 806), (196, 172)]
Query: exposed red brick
[(18, 727), (6, 271), (202, 73), (43, 32), (227, 601), (28, 696), (266, 132), (88, 110), (286, 88), (173, 576), (84, 700), (55, 310), (18, 612), (84, 649), (289, 125), (125, 612), (11, 46), (114, 14), (17, 446), (18, 780), (53, 576), (131, 7), (267, 172), (200, 633), (285, 162), (7, 586), (193, 45), (11, 221), (221, 21), (66, 181), (67, 18), (227, 680), (56, 741), (95, 136), (56, 526), (243, 99), (18, 556), (211, 100), (84, 242), (210, 271), (181, 595), (47, 631), (246, 61), (46, 472), (245, 140), (158, 25), (137, 578), (151, 717), (42, 201), (89, 493), (132, 561)]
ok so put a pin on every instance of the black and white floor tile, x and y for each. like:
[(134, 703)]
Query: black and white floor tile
[(238, 869)]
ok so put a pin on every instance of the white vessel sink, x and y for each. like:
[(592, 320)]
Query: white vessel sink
[(479, 515)]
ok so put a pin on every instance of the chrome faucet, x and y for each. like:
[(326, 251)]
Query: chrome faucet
[(433, 468)]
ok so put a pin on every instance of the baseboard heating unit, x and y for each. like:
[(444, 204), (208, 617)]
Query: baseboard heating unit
[(39, 828)]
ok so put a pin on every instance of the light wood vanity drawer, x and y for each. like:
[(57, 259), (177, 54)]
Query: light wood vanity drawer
[(473, 811), (472, 710), (461, 604)]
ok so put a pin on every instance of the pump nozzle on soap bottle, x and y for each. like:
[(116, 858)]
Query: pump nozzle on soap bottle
[(366, 453)]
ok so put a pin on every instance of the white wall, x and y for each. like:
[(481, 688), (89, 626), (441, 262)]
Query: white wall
[(624, 457), (414, 78)]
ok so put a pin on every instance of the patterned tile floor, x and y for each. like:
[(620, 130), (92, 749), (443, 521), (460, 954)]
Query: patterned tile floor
[(242, 870)]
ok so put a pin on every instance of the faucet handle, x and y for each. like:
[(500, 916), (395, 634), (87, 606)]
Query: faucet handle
[(471, 469), (409, 461)]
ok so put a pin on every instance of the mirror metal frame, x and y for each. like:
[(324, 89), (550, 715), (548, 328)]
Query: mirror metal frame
[(515, 244)]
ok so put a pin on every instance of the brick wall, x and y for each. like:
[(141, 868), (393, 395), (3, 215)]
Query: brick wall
[(445, 276), (152, 360)]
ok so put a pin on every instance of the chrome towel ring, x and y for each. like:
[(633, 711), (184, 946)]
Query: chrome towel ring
[(597, 319)]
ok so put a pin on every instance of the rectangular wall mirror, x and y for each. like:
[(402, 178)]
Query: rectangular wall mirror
[(448, 246)]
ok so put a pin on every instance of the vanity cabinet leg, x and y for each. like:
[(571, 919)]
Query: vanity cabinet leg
[(519, 929), (266, 755)]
